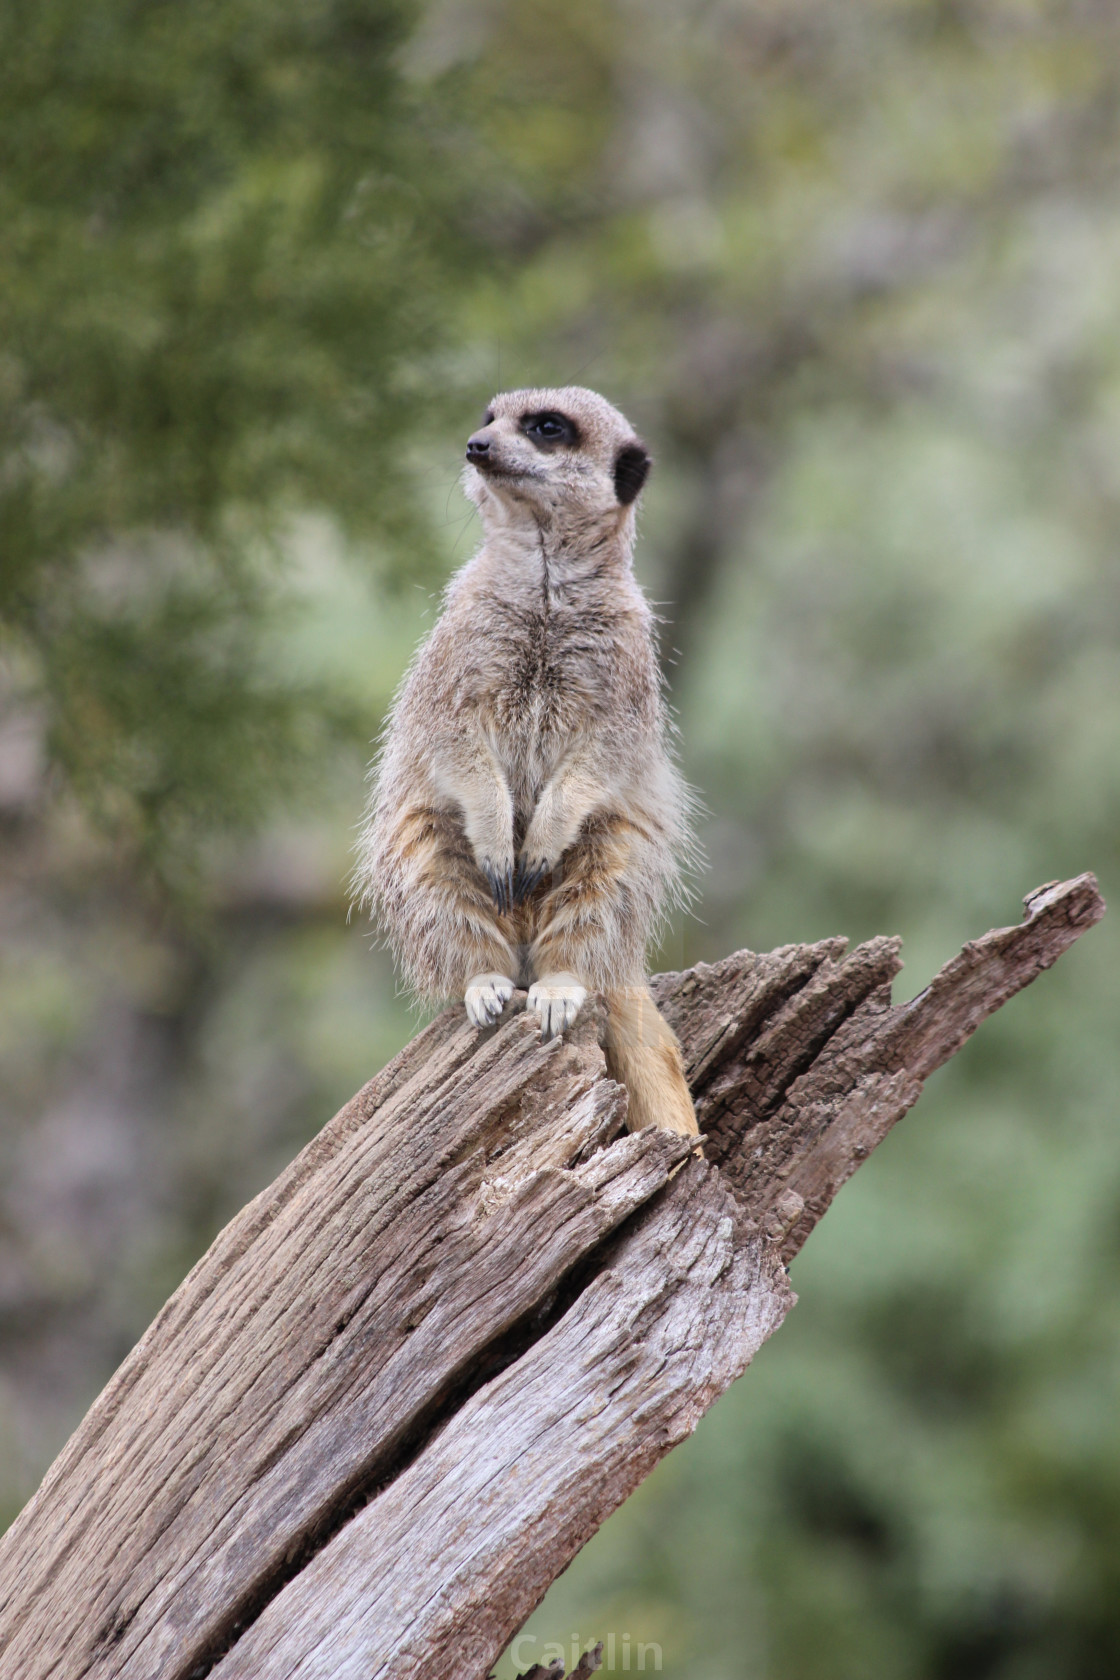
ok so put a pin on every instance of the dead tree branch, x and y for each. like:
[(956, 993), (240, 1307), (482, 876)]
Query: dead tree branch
[(413, 1377)]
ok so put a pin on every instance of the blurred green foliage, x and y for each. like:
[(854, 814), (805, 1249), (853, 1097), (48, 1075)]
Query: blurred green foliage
[(856, 272), (226, 232)]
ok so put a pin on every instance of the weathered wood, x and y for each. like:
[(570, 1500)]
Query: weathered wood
[(319, 1337), (522, 1474), (410, 1379)]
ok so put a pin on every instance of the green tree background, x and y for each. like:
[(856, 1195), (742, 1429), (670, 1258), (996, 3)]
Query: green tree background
[(855, 271)]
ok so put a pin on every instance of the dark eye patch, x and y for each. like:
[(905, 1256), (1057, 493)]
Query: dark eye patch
[(549, 429), (488, 417)]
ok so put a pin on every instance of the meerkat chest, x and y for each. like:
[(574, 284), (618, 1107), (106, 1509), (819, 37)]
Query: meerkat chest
[(558, 673)]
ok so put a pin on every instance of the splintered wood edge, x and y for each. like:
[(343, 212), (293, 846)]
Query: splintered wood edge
[(790, 1129), (873, 1071)]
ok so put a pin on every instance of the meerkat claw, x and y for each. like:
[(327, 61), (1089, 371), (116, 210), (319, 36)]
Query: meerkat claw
[(501, 883), (486, 997), (556, 1001), (529, 877)]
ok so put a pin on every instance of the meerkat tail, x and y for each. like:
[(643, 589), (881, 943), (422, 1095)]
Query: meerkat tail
[(643, 1054)]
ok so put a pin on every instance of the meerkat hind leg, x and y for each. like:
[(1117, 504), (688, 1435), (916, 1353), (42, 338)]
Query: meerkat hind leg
[(556, 1000), (486, 996)]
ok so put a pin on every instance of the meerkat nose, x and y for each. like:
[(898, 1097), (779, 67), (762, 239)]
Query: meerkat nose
[(478, 449)]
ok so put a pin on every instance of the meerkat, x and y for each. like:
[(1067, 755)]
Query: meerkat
[(527, 824)]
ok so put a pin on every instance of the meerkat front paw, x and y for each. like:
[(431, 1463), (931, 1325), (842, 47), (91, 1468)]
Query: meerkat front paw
[(500, 879), (556, 1000), (531, 871), (486, 997)]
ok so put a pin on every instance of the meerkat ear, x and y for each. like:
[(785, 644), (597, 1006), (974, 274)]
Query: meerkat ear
[(631, 469)]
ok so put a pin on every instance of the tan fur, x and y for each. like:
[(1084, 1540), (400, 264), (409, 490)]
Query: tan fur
[(528, 743), (643, 1054)]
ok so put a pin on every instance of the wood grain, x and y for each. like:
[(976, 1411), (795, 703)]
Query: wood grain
[(527, 1470), (411, 1378)]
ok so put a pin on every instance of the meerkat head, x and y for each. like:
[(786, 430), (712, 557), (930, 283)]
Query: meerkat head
[(555, 453)]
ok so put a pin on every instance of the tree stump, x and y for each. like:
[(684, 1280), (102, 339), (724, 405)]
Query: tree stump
[(411, 1378)]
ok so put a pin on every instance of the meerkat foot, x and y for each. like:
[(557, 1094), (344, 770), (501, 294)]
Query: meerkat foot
[(556, 1000), (486, 997)]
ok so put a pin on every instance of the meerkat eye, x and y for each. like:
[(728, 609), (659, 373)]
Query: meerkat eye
[(488, 417), (549, 428)]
